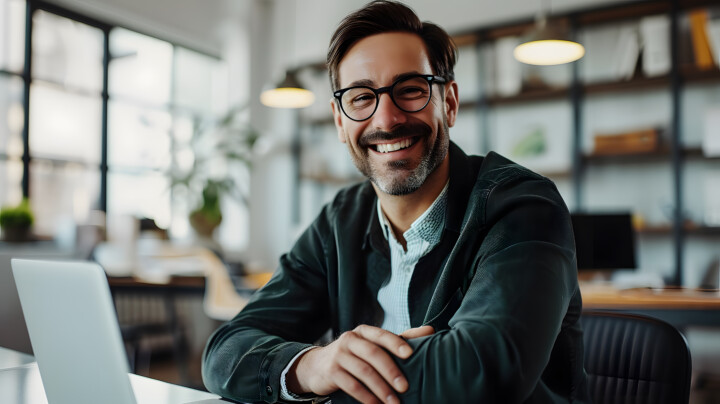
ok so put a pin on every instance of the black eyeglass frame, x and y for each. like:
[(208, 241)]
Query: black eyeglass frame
[(432, 79)]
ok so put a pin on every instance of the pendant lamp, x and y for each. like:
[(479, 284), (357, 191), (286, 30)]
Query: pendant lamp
[(546, 45), (287, 94)]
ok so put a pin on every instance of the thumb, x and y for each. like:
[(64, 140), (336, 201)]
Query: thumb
[(417, 332)]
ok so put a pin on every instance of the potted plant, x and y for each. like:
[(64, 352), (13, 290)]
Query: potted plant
[(16, 222), (222, 142)]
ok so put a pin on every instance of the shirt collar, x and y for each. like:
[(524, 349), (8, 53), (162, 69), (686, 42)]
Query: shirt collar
[(428, 226)]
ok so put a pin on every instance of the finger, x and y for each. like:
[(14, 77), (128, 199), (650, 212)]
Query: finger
[(380, 361), (393, 343), (347, 383), (418, 332), (369, 376)]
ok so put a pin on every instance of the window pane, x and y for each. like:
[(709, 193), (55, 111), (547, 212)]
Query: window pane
[(199, 82), (138, 137), (64, 125), (10, 182), (140, 68), (140, 195), (67, 52), (61, 195), (12, 35), (11, 116)]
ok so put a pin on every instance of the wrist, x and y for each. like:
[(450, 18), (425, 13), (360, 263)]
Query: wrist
[(297, 375)]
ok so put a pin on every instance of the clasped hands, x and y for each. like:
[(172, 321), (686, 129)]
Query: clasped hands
[(358, 363)]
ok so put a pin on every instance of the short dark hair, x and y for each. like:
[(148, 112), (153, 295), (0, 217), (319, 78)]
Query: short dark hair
[(382, 16)]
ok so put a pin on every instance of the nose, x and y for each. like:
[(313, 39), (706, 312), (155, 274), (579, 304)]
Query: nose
[(387, 115)]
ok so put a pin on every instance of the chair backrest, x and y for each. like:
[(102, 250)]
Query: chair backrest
[(635, 359)]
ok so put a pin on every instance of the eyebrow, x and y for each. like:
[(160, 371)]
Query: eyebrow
[(370, 83)]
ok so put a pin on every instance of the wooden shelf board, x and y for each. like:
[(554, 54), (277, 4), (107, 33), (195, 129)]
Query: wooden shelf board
[(616, 13), (690, 4), (691, 74), (690, 229), (659, 154), (531, 95), (639, 83)]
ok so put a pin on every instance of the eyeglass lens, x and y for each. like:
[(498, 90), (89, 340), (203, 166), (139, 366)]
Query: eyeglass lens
[(410, 95)]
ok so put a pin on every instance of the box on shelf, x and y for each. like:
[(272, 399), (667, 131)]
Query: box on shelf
[(633, 142)]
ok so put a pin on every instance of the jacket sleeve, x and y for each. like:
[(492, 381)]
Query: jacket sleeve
[(244, 358), (499, 340)]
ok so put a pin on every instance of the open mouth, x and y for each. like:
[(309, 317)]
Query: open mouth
[(392, 147)]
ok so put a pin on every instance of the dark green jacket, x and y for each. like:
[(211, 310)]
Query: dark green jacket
[(500, 289)]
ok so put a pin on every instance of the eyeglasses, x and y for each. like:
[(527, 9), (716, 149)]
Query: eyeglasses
[(410, 94)]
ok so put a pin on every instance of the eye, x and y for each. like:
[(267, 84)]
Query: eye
[(410, 92), (360, 99)]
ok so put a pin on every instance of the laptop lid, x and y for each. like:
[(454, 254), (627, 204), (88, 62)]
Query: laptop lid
[(74, 331)]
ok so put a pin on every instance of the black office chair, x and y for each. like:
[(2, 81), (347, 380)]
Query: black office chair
[(635, 359)]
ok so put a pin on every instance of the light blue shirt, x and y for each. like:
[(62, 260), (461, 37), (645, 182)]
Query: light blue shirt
[(424, 234)]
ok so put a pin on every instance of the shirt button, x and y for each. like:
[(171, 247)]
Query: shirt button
[(268, 390)]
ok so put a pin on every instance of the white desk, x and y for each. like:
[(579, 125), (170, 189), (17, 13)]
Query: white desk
[(20, 383)]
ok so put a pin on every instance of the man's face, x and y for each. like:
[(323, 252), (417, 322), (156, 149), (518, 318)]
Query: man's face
[(421, 137)]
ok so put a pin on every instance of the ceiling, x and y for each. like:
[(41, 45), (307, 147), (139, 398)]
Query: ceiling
[(202, 24)]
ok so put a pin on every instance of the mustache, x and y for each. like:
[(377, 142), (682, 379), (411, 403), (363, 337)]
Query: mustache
[(410, 129)]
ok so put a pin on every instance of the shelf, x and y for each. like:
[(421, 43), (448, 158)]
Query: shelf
[(629, 157), (635, 84), (692, 75), (693, 152), (690, 229), (613, 13), (696, 153), (545, 94)]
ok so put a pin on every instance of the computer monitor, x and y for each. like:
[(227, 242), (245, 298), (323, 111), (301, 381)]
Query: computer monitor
[(604, 241)]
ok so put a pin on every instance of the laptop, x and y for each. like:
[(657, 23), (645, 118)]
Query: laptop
[(75, 335)]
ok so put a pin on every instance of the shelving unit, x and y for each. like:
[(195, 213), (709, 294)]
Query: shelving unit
[(576, 94)]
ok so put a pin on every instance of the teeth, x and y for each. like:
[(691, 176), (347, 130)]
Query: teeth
[(391, 147)]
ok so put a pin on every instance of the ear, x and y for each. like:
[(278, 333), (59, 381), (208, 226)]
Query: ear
[(452, 102), (337, 118)]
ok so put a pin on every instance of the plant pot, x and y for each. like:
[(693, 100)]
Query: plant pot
[(203, 224), (17, 234)]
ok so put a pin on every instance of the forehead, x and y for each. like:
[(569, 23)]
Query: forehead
[(379, 58)]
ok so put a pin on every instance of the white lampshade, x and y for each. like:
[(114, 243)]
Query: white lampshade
[(287, 94), (546, 45), (548, 52)]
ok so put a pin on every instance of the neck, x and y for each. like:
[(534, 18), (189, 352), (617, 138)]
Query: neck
[(402, 210)]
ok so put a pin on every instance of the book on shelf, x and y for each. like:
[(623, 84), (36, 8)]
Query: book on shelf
[(632, 142), (711, 135), (508, 69), (655, 33), (701, 42), (628, 48), (713, 31)]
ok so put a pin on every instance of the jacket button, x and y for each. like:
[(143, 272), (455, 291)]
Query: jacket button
[(268, 390)]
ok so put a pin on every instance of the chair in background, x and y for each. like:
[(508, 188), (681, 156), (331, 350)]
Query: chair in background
[(635, 359)]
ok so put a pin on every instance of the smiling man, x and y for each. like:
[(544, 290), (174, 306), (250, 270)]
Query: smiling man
[(444, 278)]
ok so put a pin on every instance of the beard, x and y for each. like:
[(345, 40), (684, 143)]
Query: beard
[(398, 177)]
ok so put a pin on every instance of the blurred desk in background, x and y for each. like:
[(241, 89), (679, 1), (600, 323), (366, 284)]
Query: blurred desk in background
[(678, 306)]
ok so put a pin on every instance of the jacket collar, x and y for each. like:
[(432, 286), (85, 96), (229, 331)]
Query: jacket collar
[(458, 192)]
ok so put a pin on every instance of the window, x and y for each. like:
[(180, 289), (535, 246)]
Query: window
[(87, 151)]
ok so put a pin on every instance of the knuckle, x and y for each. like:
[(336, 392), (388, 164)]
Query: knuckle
[(373, 350), (366, 370), (355, 387)]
